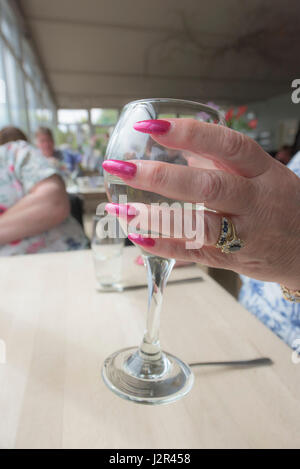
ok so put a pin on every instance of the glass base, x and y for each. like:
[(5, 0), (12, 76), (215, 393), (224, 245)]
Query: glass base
[(128, 374)]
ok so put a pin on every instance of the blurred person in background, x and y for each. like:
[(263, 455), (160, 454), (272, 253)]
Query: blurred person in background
[(34, 206), (45, 143), (67, 164)]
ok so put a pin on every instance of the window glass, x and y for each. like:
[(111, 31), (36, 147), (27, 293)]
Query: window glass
[(104, 116), (44, 117), (15, 90), (9, 27), (73, 136), (72, 116), (16, 64), (29, 62), (33, 107), (4, 118)]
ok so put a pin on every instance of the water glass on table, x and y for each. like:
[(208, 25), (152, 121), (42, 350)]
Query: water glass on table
[(107, 249)]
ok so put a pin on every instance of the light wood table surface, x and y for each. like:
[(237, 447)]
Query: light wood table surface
[(58, 330)]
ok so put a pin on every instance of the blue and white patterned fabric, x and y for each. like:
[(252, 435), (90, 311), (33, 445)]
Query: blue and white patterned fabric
[(265, 300)]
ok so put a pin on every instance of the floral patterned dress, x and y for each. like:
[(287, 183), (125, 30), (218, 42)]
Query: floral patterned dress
[(265, 300), (21, 167)]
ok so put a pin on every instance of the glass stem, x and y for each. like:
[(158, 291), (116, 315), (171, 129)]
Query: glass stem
[(158, 271)]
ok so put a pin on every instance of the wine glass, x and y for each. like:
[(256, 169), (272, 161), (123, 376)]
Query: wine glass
[(146, 374)]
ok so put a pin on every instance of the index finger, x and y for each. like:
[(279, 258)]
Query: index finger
[(228, 149)]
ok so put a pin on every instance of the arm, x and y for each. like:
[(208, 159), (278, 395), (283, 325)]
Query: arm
[(45, 206)]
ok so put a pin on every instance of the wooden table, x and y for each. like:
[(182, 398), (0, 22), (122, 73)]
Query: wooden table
[(58, 330)]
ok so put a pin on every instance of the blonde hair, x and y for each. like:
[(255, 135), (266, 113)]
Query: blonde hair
[(44, 131)]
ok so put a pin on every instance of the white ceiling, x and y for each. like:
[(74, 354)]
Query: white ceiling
[(100, 53)]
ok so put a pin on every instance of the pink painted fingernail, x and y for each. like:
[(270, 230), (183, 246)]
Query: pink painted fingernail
[(123, 169), (121, 210), (141, 240), (153, 126)]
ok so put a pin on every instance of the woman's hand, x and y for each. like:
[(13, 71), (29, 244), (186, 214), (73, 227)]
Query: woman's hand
[(260, 195)]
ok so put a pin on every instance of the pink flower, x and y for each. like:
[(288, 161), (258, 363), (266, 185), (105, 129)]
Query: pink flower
[(11, 168), (253, 123), (229, 115), (241, 110)]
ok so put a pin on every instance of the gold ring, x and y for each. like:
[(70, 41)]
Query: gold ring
[(228, 240)]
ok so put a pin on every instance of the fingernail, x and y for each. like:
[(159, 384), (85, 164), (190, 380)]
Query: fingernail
[(123, 169), (121, 210), (141, 240), (153, 126)]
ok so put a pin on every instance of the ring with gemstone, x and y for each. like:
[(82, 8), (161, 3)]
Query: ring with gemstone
[(228, 240)]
